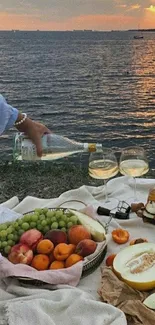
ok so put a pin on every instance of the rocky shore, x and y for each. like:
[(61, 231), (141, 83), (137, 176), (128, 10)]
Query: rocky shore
[(43, 179)]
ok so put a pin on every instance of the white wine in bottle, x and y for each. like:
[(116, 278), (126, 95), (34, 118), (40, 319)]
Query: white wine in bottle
[(54, 147)]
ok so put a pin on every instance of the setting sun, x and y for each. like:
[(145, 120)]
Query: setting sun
[(151, 8)]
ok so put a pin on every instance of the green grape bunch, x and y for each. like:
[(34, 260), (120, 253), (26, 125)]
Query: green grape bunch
[(41, 219)]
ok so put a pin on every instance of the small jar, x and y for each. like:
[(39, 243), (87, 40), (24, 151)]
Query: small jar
[(149, 211)]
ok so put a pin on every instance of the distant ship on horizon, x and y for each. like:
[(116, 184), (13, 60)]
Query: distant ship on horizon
[(138, 36), (82, 30)]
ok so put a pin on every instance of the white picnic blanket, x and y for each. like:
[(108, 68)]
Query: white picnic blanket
[(68, 305)]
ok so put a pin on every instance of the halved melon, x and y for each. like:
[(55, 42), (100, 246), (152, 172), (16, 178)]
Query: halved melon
[(93, 226), (135, 265)]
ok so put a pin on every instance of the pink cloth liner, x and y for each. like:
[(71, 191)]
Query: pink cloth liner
[(70, 275)]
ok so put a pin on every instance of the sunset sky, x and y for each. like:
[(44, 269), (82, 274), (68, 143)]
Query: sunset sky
[(76, 14)]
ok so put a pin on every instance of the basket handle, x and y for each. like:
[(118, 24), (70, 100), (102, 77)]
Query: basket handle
[(106, 225), (58, 206)]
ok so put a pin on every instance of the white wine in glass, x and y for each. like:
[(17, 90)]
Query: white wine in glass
[(134, 163), (103, 165)]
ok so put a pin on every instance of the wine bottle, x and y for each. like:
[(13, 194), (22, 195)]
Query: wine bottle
[(54, 147)]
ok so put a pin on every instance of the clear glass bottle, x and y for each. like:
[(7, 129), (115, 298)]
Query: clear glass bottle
[(54, 147)]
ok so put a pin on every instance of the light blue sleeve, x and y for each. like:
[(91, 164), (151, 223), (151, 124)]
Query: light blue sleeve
[(8, 115)]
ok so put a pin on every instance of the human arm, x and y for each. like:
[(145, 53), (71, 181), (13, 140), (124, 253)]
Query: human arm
[(9, 116)]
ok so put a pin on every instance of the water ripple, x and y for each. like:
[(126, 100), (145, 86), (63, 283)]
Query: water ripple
[(90, 86)]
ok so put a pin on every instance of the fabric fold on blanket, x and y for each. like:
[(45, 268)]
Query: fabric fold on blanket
[(11, 203), (52, 307)]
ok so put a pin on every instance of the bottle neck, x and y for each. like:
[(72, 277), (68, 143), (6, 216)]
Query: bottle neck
[(92, 147)]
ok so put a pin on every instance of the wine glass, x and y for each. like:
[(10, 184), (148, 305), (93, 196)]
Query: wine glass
[(103, 165), (134, 163)]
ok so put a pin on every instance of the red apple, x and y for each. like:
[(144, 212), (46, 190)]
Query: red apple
[(86, 247), (31, 238), (20, 253)]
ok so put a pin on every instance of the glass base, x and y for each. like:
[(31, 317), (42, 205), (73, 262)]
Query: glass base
[(133, 199), (110, 203)]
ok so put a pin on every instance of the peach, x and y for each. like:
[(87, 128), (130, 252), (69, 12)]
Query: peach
[(20, 253), (73, 259), (62, 251), (55, 265), (77, 233), (51, 257), (56, 236), (72, 248), (110, 259), (31, 238), (40, 262), (86, 247), (45, 246)]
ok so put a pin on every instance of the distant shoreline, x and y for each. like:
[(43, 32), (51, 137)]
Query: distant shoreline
[(78, 31)]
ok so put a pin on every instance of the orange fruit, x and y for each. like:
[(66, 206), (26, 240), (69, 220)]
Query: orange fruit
[(57, 265), (110, 259), (120, 236), (77, 233), (61, 251), (40, 262), (45, 246), (72, 248), (73, 259), (51, 257)]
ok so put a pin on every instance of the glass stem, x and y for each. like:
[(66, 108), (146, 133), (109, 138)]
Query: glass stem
[(105, 190), (135, 189)]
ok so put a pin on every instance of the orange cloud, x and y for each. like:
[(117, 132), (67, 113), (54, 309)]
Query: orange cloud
[(135, 7), (10, 21), (122, 6), (100, 22)]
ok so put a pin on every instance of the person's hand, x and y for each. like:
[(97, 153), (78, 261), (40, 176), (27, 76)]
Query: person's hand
[(34, 130)]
